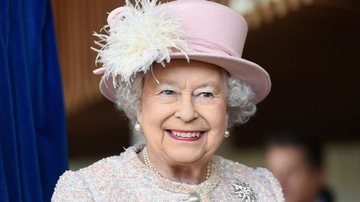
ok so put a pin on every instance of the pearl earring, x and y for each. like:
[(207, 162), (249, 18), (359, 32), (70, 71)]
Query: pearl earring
[(137, 126), (227, 134)]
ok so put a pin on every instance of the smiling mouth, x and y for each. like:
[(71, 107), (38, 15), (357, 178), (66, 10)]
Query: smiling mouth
[(185, 135)]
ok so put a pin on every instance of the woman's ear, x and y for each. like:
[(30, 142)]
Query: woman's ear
[(227, 119), (139, 116), (139, 112)]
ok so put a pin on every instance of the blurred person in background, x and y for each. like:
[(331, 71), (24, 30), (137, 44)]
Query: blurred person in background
[(297, 160)]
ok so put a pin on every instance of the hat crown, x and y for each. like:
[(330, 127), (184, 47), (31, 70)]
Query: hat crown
[(210, 27), (198, 30)]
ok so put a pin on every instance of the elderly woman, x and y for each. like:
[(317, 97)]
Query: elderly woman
[(176, 70)]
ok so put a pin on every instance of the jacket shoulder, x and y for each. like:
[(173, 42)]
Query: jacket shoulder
[(260, 180)]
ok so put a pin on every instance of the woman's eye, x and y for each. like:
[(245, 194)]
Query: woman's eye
[(167, 92), (207, 94)]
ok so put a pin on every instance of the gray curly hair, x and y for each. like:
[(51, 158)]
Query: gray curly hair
[(240, 101)]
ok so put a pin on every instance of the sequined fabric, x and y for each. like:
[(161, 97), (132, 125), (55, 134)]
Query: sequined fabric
[(126, 178)]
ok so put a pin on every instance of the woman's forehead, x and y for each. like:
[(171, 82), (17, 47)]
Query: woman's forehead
[(181, 71)]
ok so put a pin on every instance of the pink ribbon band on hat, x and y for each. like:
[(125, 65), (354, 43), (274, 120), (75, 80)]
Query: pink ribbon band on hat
[(206, 46), (197, 45)]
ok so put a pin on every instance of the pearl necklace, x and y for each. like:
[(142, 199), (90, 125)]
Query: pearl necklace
[(152, 167)]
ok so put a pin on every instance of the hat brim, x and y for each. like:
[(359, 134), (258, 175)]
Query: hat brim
[(250, 73)]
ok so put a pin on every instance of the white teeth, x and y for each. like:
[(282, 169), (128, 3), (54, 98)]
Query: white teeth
[(180, 134)]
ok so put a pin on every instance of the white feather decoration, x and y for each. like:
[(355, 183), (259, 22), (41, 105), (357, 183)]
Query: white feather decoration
[(138, 35)]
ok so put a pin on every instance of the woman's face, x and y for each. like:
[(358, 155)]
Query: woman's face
[(184, 117)]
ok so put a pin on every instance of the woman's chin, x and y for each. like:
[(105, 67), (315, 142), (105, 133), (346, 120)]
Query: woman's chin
[(185, 155)]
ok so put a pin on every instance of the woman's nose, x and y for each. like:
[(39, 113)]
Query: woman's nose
[(186, 110)]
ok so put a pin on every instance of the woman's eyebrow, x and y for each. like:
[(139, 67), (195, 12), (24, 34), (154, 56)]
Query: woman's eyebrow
[(167, 82), (210, 84)]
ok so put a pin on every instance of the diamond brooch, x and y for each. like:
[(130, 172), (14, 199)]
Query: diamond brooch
[(244, 191)]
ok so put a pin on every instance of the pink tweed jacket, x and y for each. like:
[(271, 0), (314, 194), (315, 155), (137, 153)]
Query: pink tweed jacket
[(126, 178)]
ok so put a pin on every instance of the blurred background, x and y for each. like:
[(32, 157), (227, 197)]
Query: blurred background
[(309, 47)]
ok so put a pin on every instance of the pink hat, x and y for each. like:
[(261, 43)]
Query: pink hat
[(212, 33)]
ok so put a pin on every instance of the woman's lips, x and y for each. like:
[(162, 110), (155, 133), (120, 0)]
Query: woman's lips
[(185, 135)]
